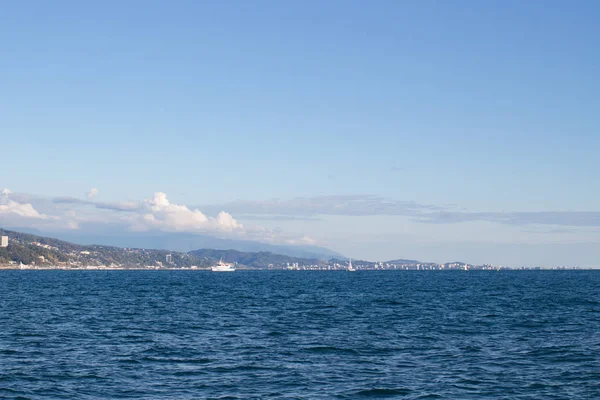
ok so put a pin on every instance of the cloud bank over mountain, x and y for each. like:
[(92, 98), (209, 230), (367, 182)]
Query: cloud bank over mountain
[(154, 214)]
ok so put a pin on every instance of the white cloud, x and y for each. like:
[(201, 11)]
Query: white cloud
[(159, 213), (23, 210), (93, 192), (304, 240), (227, 222), (8, 206), (155, 213)]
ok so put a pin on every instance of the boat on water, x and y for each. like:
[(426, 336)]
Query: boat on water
[(222, 267), (350, 267)]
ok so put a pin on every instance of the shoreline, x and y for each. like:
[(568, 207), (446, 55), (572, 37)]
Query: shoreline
[(13, 268)]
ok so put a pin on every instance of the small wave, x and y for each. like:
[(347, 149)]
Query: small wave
[(382, 392), (241, 368), (330, 349), (128, 361), (190, 374), (388, 302), (177, 360)]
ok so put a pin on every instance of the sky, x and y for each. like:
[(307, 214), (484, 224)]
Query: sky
[(429, 130)]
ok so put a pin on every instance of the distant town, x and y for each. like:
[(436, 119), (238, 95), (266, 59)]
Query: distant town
[(25, 251)]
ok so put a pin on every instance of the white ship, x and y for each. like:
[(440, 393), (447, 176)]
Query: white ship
[(222, 267), (350, 267)]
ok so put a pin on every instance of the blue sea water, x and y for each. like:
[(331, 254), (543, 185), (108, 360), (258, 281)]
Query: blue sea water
[(195, 335)]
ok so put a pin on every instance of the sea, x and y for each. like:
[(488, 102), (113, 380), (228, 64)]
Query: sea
[(299, 334)]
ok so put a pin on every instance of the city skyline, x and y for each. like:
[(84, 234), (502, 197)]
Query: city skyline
[(420, 130)]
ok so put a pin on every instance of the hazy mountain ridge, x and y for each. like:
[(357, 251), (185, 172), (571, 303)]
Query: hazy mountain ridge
[(253, 259), (403, 261), (44, 251), (185, 242)]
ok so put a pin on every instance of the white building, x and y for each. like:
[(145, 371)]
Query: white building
[(4, 241)]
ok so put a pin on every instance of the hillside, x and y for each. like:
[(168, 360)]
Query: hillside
[(45, 252), (42, 251)]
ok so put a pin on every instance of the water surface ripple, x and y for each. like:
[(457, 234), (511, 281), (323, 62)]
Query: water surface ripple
[(194, 335)]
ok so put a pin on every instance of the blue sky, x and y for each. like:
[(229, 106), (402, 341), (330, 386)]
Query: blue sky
[(466, 108)]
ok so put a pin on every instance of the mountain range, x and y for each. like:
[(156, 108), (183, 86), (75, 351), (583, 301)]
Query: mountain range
[(185, 242), (29, 249), (44, 251)]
